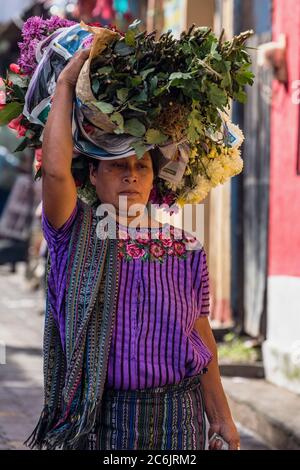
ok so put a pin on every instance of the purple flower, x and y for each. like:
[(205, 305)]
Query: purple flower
[(36, 29)]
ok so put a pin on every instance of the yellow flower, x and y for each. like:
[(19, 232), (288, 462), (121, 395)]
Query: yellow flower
[(180, 201)]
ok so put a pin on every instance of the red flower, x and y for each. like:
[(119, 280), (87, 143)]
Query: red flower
[(156, 250), (16, 125), (179, 248), (134, 251), (97, 24), (15, 68)]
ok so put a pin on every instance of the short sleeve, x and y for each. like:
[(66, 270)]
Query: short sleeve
[(60, 236), (201, 282)]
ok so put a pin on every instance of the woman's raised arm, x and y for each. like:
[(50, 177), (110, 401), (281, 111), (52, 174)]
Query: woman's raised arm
[(59, 189)]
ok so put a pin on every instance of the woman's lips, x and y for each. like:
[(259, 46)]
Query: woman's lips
[(129, 193)]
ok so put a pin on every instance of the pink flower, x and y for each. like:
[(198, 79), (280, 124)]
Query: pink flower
[(179, 248), (142, 237), (15, 68), (134, 251), (156, 250), (16, 125), (38, 155), (2, 97), (165, 240), (2, 93)]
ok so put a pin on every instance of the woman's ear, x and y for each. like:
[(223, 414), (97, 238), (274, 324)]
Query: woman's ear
[(93, 172)]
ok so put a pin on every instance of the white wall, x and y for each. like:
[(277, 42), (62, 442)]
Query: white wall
[(281, 350)]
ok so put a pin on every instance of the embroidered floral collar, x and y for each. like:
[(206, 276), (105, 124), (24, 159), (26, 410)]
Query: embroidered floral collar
[(153, 244)]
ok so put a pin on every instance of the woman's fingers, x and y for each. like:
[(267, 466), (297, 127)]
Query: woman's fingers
[(234, 445), (71, 71)]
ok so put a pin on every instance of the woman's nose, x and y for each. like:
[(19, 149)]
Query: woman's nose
[(130, 179), (130, 175)]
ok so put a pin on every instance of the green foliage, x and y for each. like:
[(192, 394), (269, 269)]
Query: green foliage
[(137, 76), (11, 111), (236, 349)]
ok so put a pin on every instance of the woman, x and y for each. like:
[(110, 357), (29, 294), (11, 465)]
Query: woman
[(127, 340)]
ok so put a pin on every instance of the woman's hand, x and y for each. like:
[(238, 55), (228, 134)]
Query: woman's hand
[(227, 430), (69, 74)]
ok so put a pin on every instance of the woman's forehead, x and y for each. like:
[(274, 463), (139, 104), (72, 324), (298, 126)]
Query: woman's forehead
[(132, 158)]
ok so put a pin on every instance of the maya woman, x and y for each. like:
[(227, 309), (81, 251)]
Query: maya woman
[(130, 361)]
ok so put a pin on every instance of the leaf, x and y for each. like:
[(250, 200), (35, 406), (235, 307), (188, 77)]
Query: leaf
[(18, 80), (135, 24), (179, 75), (153, 84), (122, 94), (21, 146), (145, 73), (137, 80), (135, 108), (141, 97), (104, 70), (134, 127), (38, 174), (122, 49), (216, 96), (130, 38), (11, 111), (241, 96), (95, 86), (118, 119), (19, 92), (245, 77), (105, 108), (154, 136), (140, 149)]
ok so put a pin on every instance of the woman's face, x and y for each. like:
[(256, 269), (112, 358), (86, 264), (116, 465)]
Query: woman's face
[(130, 176)]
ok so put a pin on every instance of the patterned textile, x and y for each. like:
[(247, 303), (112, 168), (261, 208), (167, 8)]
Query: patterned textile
[(74, 381), (167, 418)]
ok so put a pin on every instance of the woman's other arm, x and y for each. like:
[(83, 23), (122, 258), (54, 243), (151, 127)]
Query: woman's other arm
[(216, 405)]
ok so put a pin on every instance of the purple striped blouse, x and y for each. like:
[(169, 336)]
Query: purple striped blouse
[(154, 342)]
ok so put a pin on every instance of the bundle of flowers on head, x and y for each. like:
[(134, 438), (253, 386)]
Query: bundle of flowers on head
[(167, 94)]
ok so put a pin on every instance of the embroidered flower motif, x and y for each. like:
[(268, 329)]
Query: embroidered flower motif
[(154, 246), (156, 250), (179, 247), (134, 250), (165, 240)]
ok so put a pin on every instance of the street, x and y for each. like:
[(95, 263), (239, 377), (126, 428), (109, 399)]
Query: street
[(21, 392)]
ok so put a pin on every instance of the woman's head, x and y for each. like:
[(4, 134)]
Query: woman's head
[(129, 176)]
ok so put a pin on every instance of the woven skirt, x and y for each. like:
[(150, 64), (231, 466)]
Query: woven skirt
[(170, 417)]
